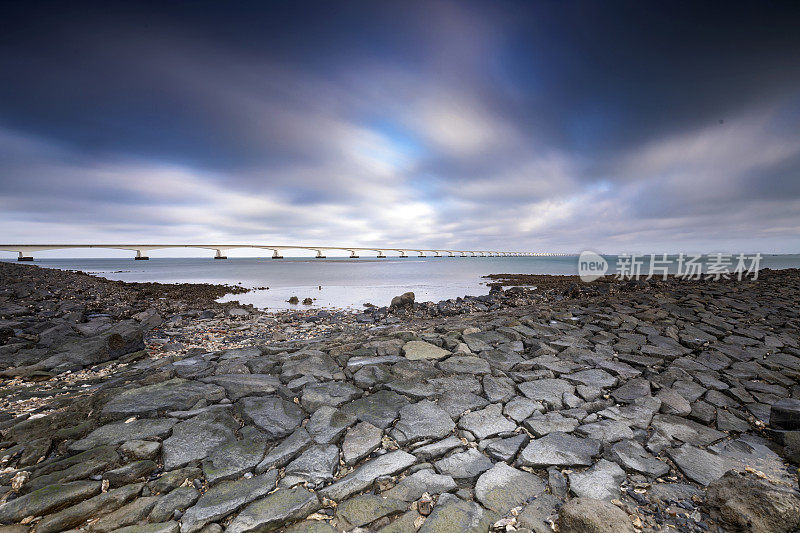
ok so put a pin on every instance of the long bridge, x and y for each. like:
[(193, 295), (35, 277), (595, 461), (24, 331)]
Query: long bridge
[(26, 251)]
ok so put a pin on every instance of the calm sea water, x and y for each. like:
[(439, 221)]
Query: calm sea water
[(345, 283)]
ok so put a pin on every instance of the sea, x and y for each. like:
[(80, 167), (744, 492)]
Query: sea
[(341, 282)]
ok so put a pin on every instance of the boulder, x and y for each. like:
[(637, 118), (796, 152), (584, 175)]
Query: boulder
[(742, 501), (585, 515)]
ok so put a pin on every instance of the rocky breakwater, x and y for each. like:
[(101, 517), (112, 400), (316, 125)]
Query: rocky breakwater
[(53, 321), (672, 406)]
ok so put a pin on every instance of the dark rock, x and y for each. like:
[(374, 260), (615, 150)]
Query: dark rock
[(359, 441), (585, 515), (559, 449), (232, 459), (47, 500), (502, 488), (277, 418), (600, 482), (129, 473), (367, 473), (464, 465), (194, 439), (414, 486), (179, 499), (785, 414), (173, 395), (283, 453), (225, 498), (380, 409), (116, 433), (454, 515), (366, 509), (742, 501), (274, 511), (73, 516), (422, 420)]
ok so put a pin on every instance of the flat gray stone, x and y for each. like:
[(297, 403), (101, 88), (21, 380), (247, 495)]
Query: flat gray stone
[(194, 439), (487, 422), (225, 498), (632, 456), (502, 488), (118, 432), (233, 459), (559, 449), (331, 393), (380, 409), (275, 510), (363, 477), (541, 424), (699, 465), (365, 509), (468, 464), (438, 448), (456, 403), (537, 515), (632, 389), (277, 418), (411, 488), (75, 515), (688, 431), (159, 527), (179, 499), (47, 500), (547, 391), (465, 364), (315, 465), (595, 516), (673, 403), (422, 420), (328, 424), (240, 385), (282, 454), (173, 395), (506, 449), (359, 441), (317, 365), (454, 515), (593, 377), (600, 482), (499, 389), (519, 409), (416, 350), (606, 431)]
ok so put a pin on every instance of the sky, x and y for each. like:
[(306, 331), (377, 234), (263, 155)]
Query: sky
[(527, 126)]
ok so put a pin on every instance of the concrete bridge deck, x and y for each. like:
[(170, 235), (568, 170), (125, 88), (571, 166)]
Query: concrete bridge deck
[(25, 251)]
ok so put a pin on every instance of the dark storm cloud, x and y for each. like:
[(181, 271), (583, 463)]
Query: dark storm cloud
[(475, 124)]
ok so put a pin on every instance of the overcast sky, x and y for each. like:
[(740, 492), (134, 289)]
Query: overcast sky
[(546, 126)]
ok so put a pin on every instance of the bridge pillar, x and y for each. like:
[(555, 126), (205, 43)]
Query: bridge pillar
[(319, 255), (140, 256), (403, 253), (219, 255), (380, 255), (23, 257), (422, 254), (276, 255), (437, 254)]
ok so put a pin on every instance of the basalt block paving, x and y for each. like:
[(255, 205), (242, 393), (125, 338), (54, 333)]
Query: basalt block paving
[(542, 408), (150, 400)]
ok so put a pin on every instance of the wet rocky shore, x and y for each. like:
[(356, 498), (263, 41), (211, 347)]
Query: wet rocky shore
[(551, 405)]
